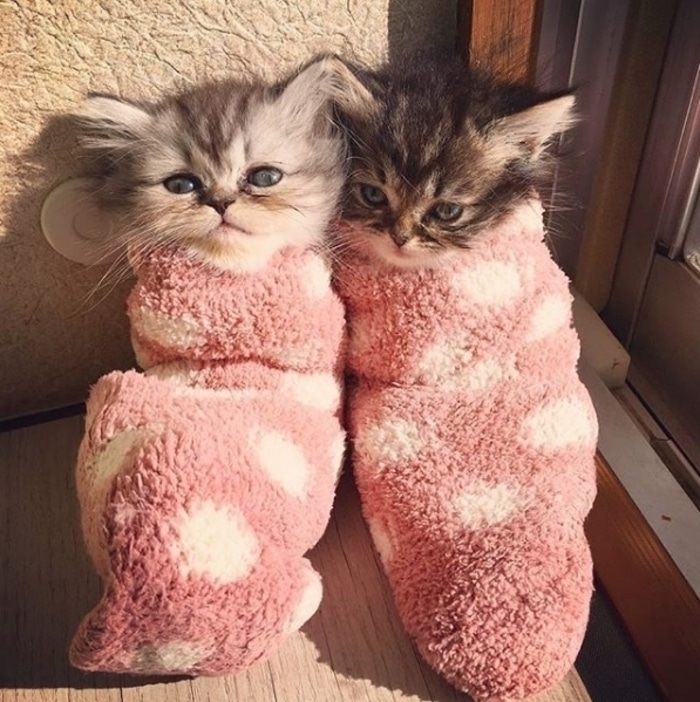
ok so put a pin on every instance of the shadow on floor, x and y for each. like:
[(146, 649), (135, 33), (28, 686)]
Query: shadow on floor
[(46, 581)]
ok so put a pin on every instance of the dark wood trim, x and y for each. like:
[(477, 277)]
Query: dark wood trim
[(500, 35), (51, 415), (662, 192), (657, 606), (641, 62), (654, 601)]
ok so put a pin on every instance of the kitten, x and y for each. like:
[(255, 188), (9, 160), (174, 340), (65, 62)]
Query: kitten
[(232, 171), (224, 452), (439, 153), (472, 439)]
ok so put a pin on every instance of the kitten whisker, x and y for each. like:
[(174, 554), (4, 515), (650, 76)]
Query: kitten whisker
[(358, 141)]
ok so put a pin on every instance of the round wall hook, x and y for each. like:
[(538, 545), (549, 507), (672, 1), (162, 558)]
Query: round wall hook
[(75, 226)]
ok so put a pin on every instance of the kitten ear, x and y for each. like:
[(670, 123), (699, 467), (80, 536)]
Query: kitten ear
[(304, 97), (533, 127), (323, 82), (351, 94), (106, 122)]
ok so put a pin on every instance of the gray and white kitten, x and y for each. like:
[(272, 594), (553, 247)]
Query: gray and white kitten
[(232, 171), (439, 153)]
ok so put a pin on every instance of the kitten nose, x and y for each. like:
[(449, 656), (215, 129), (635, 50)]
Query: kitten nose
[(221, 205), (400, 238)]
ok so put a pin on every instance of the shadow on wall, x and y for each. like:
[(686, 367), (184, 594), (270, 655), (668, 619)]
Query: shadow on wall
[(428, 27), (48, 581), (55, 143), (58, 336), (43, 290)]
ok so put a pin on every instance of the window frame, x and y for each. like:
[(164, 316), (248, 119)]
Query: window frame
[(657, 606)]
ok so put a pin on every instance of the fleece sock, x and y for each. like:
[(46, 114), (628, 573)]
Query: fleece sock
[(204, 481), (472, 446)]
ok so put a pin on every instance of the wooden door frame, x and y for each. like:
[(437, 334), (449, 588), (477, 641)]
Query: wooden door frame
[(502, 35), (636, 572)]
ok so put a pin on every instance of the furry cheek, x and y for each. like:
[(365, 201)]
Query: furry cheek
[(159, 216), (299, 208), (410, 256), (379, 247), (280, 223)]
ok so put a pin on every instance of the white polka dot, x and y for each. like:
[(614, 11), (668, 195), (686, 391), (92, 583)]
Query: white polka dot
[(178, 372), (487, 373), (445, 359), (483, 505), (308, 602), (338, 454), (316, 277), (561, 423), (106, 463), (181, 332), (489, 283), (186, 381), (214, 542), (283, 461), (383, 543), (392, 440), (144, 358), (319, 390), (451, 364), (217, 393), (483, 375), (125, 513), (552, 314), (176, 656), (298, 357)]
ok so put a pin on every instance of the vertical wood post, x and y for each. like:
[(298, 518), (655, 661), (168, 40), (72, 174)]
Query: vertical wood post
[(501, 35)]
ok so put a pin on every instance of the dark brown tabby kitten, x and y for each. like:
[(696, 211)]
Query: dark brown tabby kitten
[(439, 152)]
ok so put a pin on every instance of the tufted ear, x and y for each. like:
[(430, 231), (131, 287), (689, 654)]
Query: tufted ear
[(324, 82), (109, 123), (531, 129), (351, 89), (306, 94)]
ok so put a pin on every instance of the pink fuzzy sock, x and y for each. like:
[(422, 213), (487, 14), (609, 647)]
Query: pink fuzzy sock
[(473, 444), (204, 481)]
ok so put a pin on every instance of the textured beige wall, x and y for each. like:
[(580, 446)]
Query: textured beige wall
[(55, 337)]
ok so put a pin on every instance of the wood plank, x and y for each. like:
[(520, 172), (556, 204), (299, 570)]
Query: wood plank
[(353, 649), (360, 632), (500, 35), (654, 601), (45, 579)]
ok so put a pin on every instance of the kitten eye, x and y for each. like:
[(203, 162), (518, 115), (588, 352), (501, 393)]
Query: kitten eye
[(373, 195), (183, 183), (264, 177), (447, 211)]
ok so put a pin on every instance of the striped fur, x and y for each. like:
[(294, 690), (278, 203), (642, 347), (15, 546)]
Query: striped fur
[(428, 133), (219, 133)]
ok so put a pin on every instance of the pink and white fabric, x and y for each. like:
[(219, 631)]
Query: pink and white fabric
[(204, 481), (472, 445)]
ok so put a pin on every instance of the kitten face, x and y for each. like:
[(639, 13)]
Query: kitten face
[(438, 154), (233, 172)]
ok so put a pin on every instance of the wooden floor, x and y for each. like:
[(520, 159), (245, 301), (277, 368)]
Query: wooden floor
[(353, 649)]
